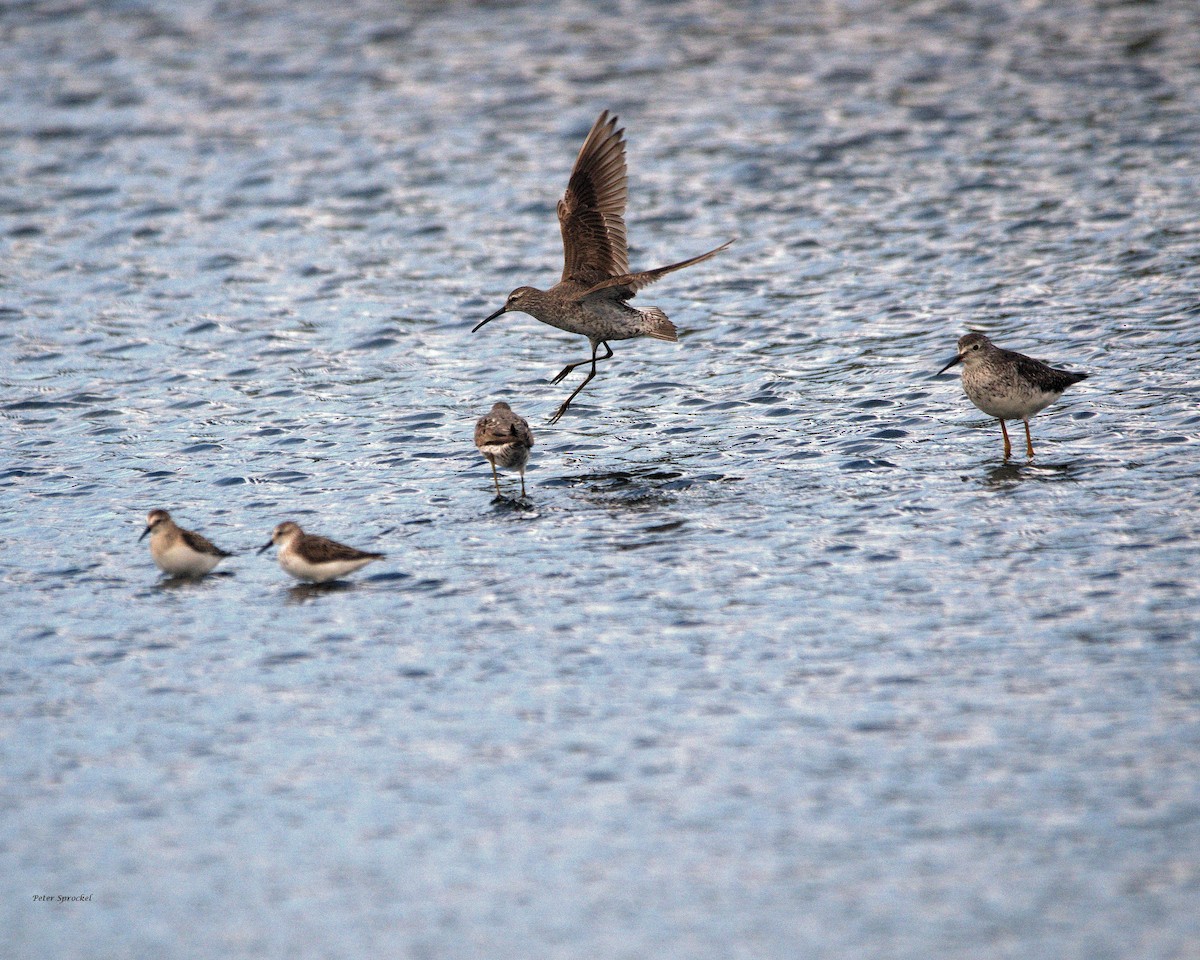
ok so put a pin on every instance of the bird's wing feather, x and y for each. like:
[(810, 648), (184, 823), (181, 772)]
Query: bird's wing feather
[(625, 286), (202, 544), (497, 430), (591, 213), (1043, 376), (316, 549), (522, 432)]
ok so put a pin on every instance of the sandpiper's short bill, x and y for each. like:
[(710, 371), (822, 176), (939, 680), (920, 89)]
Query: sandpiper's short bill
[(179, 552), (504, 439), (318, 559), (592, 298), (1008, 385)]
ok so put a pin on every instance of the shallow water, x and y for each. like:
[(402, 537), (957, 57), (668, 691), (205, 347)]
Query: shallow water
[(779, 659)]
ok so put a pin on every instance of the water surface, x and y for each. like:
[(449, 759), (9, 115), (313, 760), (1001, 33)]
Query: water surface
[(780, 659)]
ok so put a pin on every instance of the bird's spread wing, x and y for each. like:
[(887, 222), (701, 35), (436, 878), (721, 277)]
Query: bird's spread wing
[(202, 544), (625, 286), (591, 213)]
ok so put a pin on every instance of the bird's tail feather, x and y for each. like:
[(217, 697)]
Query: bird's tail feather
[(657, 325)]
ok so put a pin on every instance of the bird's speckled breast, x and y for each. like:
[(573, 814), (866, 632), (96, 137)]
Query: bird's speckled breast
[(1000, 393), (597, 319)]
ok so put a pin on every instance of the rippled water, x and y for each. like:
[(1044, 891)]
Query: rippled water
[(781, 659)]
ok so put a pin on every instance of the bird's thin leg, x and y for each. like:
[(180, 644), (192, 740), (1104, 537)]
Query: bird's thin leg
[(495, 477), (1007, 444), (571, 366), (522, 483), (586, 380), (1028, 442)]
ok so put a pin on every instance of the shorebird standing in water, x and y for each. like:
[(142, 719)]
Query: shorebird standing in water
[(592, 297), (505, 439), (309, 557), (178, 552), (1008, 385)]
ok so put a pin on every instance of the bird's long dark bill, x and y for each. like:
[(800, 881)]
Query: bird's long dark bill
[(143, 536), (266, 546), (957, 359), (489, 319)]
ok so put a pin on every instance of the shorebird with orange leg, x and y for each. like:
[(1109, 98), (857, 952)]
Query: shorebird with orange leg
[(1008, 385)]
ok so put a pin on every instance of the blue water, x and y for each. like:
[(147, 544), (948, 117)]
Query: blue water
[(779, 659)]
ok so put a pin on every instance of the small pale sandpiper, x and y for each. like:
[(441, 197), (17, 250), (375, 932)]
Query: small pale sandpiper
[(318, 559), (179, 552)]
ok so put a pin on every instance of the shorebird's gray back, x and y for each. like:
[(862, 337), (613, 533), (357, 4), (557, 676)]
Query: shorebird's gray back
[(503, 437)]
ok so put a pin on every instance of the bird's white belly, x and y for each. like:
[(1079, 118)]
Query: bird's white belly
[(301, 569), (180, 560), (1006, 399)]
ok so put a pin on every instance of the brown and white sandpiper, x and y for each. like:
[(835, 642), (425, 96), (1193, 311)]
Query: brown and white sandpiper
[(592, 297), (179, 552), (504, 439), (307, 556), (1008, 385)]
